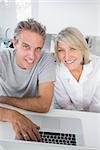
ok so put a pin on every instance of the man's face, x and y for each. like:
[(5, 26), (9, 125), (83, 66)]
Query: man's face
[(28, 48)]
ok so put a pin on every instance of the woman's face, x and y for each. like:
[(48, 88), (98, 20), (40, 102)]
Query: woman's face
[(71, 57)]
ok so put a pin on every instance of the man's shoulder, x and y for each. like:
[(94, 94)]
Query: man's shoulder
[(47, 56), (7, 52), (47, 61), (7, 55)]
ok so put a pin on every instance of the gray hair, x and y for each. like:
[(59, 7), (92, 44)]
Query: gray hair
[(31, 25), (74, 38)]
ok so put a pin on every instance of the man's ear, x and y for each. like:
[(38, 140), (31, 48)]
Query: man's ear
[(14, 43)]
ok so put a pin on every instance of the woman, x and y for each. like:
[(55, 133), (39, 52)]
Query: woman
[(77, 85)]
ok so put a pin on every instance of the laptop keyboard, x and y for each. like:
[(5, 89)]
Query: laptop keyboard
[(58, 138)]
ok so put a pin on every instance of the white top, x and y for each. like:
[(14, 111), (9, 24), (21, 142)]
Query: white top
[(78, 95)]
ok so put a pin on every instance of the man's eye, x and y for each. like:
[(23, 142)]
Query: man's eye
[(38, 49), (26, 46)]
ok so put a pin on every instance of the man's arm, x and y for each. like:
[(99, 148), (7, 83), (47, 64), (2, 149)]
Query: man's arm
[(40, 103), (24, 128)]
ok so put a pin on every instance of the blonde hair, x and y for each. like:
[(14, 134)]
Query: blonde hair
[(74, 38)]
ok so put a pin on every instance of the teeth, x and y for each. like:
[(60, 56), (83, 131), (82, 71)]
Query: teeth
[(69, 61), (30, 61)]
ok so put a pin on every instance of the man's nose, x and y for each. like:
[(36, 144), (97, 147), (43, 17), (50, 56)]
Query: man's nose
[(32, 52)]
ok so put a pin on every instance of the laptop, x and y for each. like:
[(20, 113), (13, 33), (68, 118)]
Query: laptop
[(61, 127), (59, 130), (54, 130), (26, 145)]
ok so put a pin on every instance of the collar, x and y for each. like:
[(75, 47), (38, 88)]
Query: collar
[(66, 74)]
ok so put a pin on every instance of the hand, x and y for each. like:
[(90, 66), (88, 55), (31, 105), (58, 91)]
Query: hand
[(24, 128)]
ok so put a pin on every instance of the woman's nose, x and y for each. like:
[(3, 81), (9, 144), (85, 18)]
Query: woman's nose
[(66, 55)]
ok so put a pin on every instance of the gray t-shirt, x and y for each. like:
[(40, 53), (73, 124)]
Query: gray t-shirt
[(17, 82)]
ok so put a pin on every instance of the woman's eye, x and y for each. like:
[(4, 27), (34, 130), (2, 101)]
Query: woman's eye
[(60, 50), (72, 49)]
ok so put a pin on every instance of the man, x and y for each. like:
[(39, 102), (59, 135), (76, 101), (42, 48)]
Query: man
[(26, 78)]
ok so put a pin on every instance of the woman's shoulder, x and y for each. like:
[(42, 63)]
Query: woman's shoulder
[(94, 58)]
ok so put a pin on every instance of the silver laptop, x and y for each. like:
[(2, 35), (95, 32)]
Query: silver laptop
[(59, 130), (62, 128), (53, 129)]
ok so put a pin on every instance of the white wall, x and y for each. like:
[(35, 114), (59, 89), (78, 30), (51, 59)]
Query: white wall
[(7, 17), (84, 14), (98, 23), (55, 14)]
